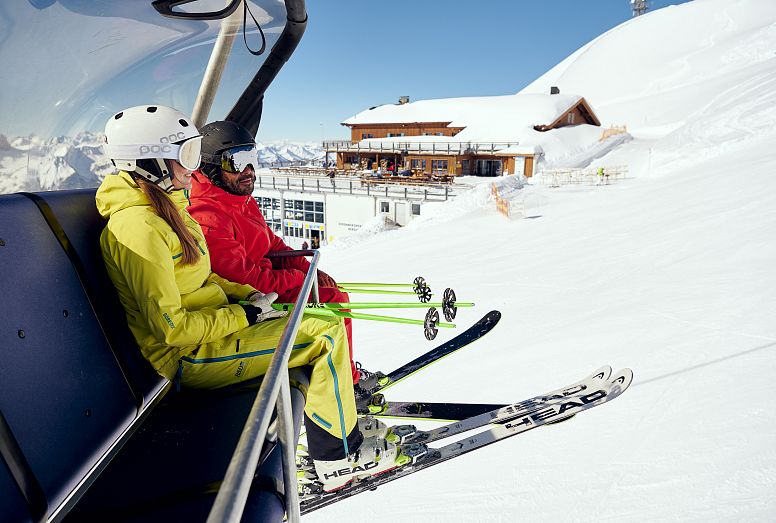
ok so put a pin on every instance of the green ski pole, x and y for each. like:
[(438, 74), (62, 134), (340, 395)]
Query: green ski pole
[(374, 317), (367, 305), (418, 282), (372, 285), (430, 325), (372, 291)]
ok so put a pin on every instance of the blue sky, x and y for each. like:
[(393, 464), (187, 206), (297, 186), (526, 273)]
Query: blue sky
[(360, 53)]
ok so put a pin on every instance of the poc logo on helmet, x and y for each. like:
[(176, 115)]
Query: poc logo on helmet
[(145, 149), (180, 135)]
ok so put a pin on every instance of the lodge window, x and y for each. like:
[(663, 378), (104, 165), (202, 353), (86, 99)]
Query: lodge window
[(308, 211), (365, 136), (394, 135), (418, 164), (270, 209), (439, 165), (570, 118)]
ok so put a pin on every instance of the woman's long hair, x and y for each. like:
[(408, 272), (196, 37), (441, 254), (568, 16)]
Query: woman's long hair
[(168, 212)]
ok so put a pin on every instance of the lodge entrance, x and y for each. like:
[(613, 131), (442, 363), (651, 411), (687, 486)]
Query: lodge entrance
[(488, 168)]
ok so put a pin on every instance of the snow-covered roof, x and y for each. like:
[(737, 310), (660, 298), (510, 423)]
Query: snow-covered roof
[(494, 117), (528, 109)]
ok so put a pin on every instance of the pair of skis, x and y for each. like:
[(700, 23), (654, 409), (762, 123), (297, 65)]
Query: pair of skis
[(551, 407)]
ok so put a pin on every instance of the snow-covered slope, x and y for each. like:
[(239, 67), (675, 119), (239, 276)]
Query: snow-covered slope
[(669, 272), (657, 70)]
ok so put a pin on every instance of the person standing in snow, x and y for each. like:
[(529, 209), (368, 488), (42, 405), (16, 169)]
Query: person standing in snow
[(239, 238), (200, 329)]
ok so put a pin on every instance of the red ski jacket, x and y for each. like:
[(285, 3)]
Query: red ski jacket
[(239, 240)]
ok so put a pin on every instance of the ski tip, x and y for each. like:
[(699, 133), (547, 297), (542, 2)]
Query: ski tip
[(603, 373), (493, 315), (621, 380)]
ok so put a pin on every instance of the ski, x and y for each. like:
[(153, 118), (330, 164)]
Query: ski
[(506, 422), (458, 411), (365, 398), (435, 411)]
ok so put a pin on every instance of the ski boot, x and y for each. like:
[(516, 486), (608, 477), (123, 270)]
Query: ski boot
[(369, 381), (375, 456)]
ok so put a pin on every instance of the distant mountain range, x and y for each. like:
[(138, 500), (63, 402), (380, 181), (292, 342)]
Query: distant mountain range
[(28, 163)]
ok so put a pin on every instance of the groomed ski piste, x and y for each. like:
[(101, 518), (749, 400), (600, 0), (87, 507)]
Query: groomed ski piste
[(669, 271)]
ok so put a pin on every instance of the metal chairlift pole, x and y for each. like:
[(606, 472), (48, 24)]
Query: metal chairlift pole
[(215, 67)]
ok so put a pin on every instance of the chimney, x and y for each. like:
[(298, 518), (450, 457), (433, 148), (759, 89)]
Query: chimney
[(404, 100), (554, 90)]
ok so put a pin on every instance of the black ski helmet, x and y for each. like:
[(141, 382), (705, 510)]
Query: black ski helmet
[(216, 138)]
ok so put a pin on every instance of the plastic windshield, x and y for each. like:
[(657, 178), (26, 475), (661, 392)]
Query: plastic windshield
[(70, 64)]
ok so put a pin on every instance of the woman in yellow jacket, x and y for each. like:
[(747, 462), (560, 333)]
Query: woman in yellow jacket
[(187, 319)]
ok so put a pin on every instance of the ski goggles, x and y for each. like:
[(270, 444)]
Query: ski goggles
[(186, 152), (238, 158)]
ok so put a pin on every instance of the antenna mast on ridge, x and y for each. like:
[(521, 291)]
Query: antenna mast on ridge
[(639, 7)]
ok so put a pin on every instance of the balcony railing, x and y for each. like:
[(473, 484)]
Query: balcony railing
[(406, 148)]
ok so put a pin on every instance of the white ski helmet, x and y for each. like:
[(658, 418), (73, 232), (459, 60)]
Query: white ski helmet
[(140, 140)]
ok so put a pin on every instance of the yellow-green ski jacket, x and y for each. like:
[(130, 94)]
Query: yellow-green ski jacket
[(171, 309)]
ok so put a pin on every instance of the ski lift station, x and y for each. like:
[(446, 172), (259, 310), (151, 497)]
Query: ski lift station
[(403, 155)]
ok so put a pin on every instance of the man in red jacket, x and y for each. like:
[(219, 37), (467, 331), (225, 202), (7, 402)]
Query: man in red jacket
[(236, 233)]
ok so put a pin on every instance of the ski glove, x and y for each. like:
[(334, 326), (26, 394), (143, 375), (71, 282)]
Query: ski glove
[(258, 307)]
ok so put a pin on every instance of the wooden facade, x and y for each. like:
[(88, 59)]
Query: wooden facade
[(360, 132), (437, 165), (578, 113)]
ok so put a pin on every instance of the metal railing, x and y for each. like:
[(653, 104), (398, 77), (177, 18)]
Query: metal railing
[(581, 176), (368, 186), (274, 391), (440, 148)]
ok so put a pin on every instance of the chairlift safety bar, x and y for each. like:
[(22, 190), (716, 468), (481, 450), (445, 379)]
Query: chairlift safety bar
[(274, 391)]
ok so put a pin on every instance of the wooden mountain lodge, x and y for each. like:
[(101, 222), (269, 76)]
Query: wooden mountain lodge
[(480, 136)]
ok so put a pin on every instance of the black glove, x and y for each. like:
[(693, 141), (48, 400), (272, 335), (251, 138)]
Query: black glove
[(251, 314), (258, 308)]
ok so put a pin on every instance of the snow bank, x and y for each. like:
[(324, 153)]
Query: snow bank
[(377, 225)]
